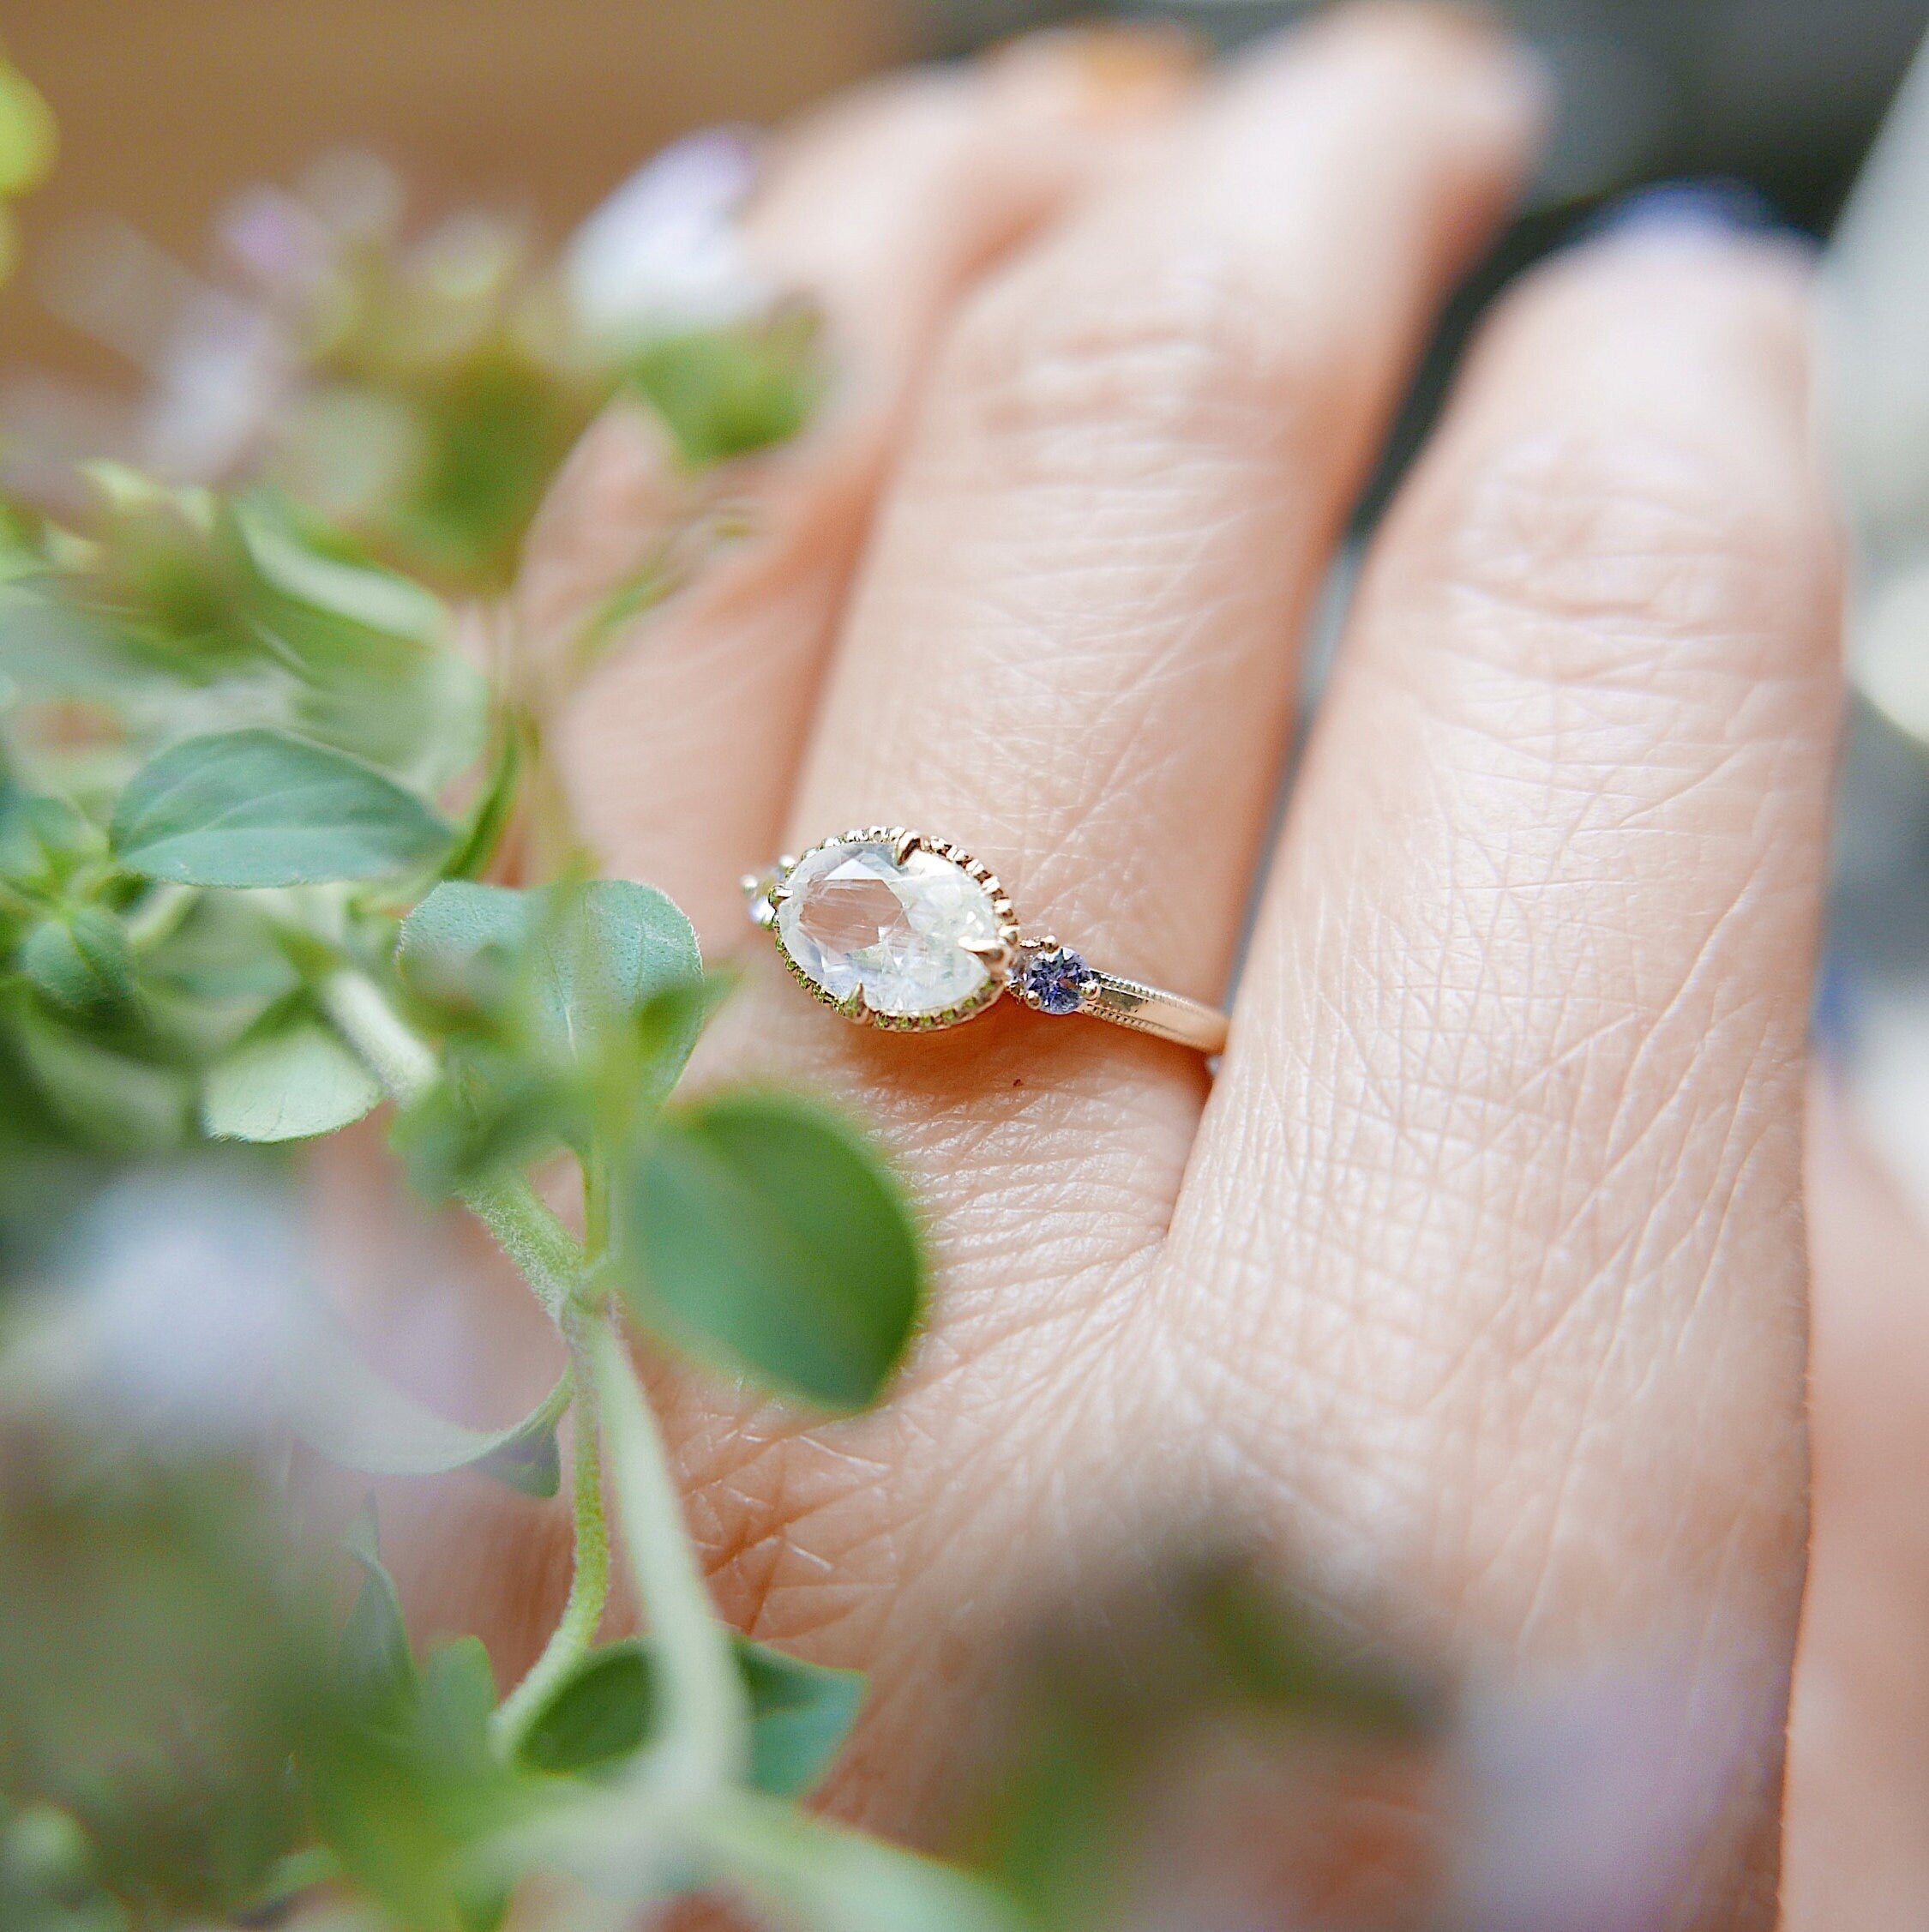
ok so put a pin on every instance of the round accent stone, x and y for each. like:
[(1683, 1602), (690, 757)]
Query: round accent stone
[(1055, 981), (857, 918)]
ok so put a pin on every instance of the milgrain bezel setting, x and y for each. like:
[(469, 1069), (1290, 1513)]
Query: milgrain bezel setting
[(768, 893), (1037, 973)]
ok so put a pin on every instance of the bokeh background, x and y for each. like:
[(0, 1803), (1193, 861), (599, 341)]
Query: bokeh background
[(167, 105)]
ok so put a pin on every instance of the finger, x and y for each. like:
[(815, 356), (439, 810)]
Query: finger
[(682, 749), (1078, 609), (1512, 1104), (1858, 1733), (1071, 651)]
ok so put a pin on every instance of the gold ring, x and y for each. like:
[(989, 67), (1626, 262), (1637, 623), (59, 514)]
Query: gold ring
[(898, 930)]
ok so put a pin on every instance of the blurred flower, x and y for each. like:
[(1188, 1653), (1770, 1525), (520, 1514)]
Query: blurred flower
[(214, 393), (181, 1295), (1591, 1799), (274, 240), (662, 253), (215, 367), (421, 390)]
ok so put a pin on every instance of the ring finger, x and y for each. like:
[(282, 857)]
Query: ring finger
[(1070, 651)]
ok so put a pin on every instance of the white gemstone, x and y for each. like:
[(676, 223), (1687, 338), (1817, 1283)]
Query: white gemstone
[(855, 917)]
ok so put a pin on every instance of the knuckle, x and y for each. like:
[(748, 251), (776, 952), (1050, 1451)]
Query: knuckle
[(1188, 349), (1594, 553)]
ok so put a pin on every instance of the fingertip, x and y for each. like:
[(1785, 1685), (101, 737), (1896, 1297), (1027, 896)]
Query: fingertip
[(1672, 289), (1464, 53), (1718, 235), (1450, 83), (1100, 77)]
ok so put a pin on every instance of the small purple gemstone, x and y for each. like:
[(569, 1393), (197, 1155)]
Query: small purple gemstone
[(1057, 981)]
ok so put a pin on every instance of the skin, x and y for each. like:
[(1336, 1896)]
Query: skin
[(1858, 1733), (1476, 1282)]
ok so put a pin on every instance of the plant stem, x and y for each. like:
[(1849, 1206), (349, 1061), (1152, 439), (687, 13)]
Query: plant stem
[(704, 1744), (543, 1251), (589, 1582), (814, 1872), (396, 1055)]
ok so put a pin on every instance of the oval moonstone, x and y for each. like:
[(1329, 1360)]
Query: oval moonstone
[(853, 917)]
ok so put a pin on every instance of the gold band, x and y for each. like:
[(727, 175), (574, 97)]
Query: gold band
[(1148, 1009), (909, 933)]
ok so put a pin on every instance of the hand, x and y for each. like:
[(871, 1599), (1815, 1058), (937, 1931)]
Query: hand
[(1477, 1276)]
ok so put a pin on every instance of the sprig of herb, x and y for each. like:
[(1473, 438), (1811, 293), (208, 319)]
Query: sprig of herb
[(237, 904)]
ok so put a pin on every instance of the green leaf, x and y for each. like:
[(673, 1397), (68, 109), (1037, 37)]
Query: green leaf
[(411, 1799), (489, 819), (223, 950), (343, 1410), (257, 808), (800, 1715), (289, 1079), (41, 839), (617, 946), (400, 1780), (605, 1711), (26, 133), (459, 1698), (610, 943), (374, 1660), (113, 1100), (288, 1878), (463, 945), (569, 1009), (362, 592), (79, 959), (667, 1025), (764, 1230), (725, 392), (492, 1109), (491, 427), (602, 1713)]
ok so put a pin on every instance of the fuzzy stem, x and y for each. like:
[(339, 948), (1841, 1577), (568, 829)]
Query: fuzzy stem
[(589, 1583), (704, 1745), (545, 1251), (547, 1254), (396, 1055)]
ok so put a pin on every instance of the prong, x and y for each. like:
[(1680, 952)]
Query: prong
[(788, 863), (778, 895), (997, 954), (763, 913), (908, 842)]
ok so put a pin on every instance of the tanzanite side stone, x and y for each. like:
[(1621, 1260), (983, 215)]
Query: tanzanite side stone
[(1056, 981)]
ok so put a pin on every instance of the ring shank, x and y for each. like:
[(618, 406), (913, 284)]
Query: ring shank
[(1147, 1009)]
